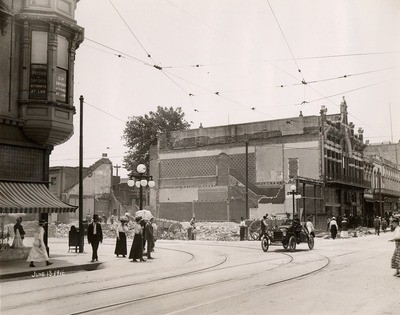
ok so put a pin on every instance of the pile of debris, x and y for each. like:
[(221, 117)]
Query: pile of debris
[(216, 231)]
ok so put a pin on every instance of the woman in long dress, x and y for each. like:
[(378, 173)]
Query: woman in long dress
[(333, 227), (396, 254), (137, 244), (38, 252), (120, 246), (344, 233)]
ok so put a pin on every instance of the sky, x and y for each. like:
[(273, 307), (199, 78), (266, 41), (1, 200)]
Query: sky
[(231, 62)]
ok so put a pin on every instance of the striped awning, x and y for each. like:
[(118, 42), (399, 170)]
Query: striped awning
[(30, 198)]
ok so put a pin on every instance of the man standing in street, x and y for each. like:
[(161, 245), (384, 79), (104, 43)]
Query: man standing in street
[(377, 225), (242, 228), (95, 236)]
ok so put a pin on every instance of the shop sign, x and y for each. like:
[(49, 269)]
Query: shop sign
[(61, 85), (38, 82)]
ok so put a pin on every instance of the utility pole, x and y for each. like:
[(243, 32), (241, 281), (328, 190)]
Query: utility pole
[(81, 241), (247, 180)]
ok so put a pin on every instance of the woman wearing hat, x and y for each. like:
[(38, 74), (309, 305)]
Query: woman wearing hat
[(122, 229), (38, 252), (137, 244), (396, 254)]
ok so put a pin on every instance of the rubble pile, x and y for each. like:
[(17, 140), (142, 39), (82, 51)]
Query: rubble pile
[(217, 231)]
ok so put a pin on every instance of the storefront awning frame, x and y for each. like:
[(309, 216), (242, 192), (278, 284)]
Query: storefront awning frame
[(18, 197)]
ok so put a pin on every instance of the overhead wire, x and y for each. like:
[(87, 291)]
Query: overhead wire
[(103, 111), (340, 77), (286, 41), (131, 31), (268, 61)]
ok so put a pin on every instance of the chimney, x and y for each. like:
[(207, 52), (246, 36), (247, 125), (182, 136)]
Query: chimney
[(104, 155), (360, 134)]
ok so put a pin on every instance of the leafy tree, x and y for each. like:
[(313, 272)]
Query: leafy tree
[(141, 132)]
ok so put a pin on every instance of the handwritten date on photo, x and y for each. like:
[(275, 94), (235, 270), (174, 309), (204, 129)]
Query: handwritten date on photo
[(48, 273)]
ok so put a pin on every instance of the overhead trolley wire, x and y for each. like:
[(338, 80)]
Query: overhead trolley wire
[(129, 28), (340, 77), (286, 41)]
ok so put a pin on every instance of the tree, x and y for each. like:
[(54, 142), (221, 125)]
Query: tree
[(141, 132)]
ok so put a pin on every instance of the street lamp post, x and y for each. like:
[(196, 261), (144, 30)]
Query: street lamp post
[(142, 180), (295, 195)]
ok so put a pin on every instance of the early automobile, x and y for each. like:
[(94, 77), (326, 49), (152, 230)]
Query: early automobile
[(289, 234)]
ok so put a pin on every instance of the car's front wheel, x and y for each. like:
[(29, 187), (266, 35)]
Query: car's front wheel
[(265, 243), (292, 243)]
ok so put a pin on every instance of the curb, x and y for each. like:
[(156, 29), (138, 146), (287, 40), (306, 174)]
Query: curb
[(49, 272)]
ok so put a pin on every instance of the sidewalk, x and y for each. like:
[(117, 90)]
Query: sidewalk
[(62, 260)]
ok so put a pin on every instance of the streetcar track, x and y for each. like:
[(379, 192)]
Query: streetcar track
[(186, 274), (208, 284), (158, 279)]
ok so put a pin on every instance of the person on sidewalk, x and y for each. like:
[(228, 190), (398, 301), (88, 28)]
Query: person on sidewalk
[(396, 254), (19, 234), (137, 244), (149, 236), (333, 227), (192, 231), (377, 225), (310, 227), (121, 230), (384, 225), (242, 228), (263, 226), (38, 251), (95, 236), (344, 232)]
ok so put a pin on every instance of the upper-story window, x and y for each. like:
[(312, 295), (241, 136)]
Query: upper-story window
[(38, 84), (38, 74), (62, 69)]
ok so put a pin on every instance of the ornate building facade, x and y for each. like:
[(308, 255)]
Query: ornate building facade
[(38, 41)]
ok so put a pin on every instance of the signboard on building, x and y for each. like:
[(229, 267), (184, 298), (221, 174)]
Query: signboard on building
[(61, 85), (38, 82)]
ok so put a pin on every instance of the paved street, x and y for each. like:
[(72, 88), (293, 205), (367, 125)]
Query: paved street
[(343, 276)]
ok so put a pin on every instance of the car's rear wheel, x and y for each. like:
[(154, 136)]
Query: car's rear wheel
[(292, 243), (311, 242), (264, 243)]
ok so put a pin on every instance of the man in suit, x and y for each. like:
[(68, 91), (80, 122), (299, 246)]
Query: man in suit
[(95, 236), (149, 236)]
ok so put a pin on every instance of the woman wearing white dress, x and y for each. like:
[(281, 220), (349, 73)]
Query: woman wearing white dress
[(38, 252)]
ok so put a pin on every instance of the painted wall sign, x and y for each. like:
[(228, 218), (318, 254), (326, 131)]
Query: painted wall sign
[(61, 85), (38, 82)]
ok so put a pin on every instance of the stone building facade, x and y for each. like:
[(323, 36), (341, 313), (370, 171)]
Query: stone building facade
[(223, 173), (383, 199), (38, 40)]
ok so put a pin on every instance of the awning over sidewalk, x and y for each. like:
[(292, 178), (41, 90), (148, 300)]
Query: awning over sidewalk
[(30, 198)]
